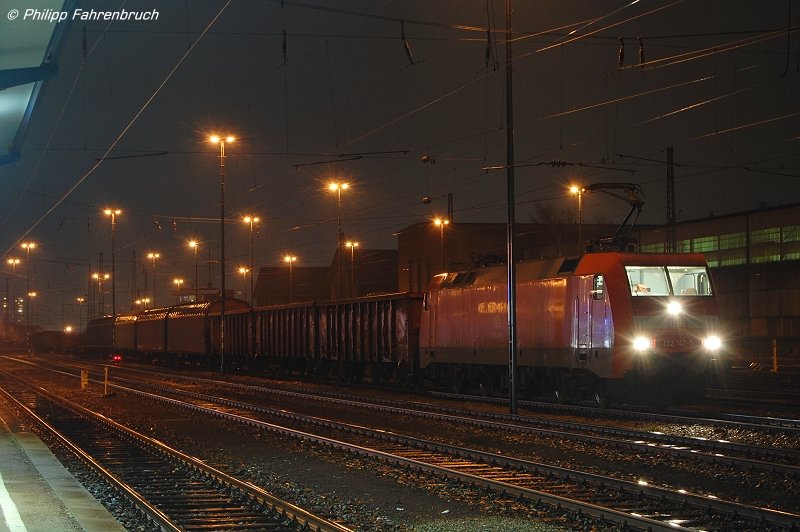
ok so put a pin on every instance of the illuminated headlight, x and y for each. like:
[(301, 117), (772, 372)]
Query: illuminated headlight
[(674, 308), (640, 343), (712, 343)]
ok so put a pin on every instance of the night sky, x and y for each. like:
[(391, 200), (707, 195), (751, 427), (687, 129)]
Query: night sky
[(399, 120)]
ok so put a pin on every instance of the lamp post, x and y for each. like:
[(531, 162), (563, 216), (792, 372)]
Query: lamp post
[(220, 141), (178, 282), (28, 246), (244, 271), (575, 189), (100, 277), (251, 220), (290, 259), (194, 244), (338, 187), (13, 262), (113, 213), (352, 246), (154, 256), (440, 223), (31, 296), (80, 300)]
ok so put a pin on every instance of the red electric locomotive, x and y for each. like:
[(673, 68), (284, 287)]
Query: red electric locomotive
[(626, 326)]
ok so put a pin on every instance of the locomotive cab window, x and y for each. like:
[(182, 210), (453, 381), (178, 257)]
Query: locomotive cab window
[(647, 280), (689, 280)]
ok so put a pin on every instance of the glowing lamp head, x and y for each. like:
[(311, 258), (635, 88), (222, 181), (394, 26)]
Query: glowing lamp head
[(641, 343), (674, 308), (574, 189), (193, 244), (712, 342)]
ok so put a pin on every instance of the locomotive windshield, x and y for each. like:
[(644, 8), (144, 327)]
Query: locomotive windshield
[(669, 280)]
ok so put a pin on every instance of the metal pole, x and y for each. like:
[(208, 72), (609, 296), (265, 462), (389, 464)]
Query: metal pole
[(511, 272), (290, 281), (580, 221), (113, 284), (222, 255), (196, 292), (252, 263), (353, 270), (28, 300), (341, 238)]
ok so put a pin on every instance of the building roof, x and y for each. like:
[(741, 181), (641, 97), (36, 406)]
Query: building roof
[(28, 57)]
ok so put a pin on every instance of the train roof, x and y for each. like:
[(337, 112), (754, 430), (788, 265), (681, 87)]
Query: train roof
[(549, 268), (187, 309)]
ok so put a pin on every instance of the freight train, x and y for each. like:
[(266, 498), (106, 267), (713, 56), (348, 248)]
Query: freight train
[(603, 326)]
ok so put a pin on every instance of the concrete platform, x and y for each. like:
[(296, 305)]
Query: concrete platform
[(36, 492)]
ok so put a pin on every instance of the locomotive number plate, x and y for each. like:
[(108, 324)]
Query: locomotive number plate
[(678, 342)]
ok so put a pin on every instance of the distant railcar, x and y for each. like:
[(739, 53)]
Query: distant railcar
[(99, 336), (375, 338), (125, 333)]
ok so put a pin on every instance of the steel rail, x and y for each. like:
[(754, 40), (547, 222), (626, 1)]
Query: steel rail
[(756, 514), (303, 517)]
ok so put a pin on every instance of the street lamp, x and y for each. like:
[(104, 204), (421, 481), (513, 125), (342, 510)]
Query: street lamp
[(28, 246), (338, 187), (100, 277), (440, 223), (352, 246), (575, 189), (13, 262), (244, 270), (113, 213), (80, 300), (178, 282), (194, 244), (290, 259), (216, 139), (251, 220), (31, 296), (153, 255)]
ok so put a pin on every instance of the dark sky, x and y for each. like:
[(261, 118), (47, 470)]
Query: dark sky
[(347, 102)]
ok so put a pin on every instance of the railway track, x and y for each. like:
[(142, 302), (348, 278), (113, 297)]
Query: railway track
[(629, 503), (747, 457), (173, 490)]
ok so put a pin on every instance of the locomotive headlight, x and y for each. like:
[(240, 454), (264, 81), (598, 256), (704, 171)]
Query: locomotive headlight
[(674, 308), (641, 343), (712, 343)]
